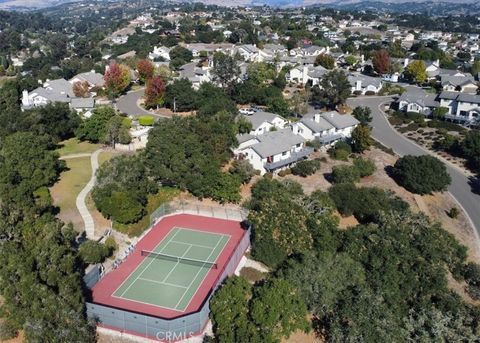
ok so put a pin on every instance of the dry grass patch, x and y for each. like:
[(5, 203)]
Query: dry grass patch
[(66, 190), (74, 146)]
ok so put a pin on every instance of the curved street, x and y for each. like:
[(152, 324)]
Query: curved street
[(129, 104), (461, 187)]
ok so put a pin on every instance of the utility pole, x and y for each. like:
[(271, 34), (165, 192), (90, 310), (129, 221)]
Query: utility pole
[(174, 105)]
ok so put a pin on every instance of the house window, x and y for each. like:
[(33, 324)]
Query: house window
[(284, 153), (299, 145)]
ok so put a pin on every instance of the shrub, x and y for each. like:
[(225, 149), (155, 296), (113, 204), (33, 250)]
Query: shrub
[(284, 172), (120, 206), (7, 330), (306, 167), (369, 93), (421, 174), (365, 167), (472, 276), (243, 170), (146, 120), (365, 203), (453, 213), (345, 174), (340, 151), (93, 252), (111, 245)]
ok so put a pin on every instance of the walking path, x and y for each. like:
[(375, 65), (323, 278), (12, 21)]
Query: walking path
[(71, 156), (82, 196)]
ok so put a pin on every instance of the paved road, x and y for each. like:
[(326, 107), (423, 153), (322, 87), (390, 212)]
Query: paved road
[(460, 188), (128, 104), (82, 196)]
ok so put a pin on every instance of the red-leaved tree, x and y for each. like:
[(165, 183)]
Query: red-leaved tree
[(145, 70), (155, 91), (117, 79), (381, 61)]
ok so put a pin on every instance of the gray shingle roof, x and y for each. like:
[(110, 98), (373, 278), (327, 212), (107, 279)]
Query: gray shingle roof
[(340, 121), (258, 118), (419, 96), (317, 127), (276, 142), (83, 103)]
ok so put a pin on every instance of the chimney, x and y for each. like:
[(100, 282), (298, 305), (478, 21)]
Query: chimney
[(316, 117), (25, 99), (405, 62)]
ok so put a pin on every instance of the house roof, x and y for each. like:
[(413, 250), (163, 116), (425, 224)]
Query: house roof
[(316, 127), (462, 97), (276, 142), (91, 77), (258, 118), (365, 79), (242, 138), (419, 96), (457, 80), (50, 95), (340, 121), (81, 103), (59, 86)]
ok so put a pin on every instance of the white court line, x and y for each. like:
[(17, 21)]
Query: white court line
[(199, 270), (162, 283), (195, 245), (176, 264), (121, 296), (209, 232)]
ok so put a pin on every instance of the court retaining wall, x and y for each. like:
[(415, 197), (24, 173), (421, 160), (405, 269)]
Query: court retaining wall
[(159, 328)]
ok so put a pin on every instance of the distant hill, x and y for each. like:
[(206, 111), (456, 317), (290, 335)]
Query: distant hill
[(29, 4)]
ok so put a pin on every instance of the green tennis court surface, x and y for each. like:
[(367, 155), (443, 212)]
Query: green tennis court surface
[(172, 284)]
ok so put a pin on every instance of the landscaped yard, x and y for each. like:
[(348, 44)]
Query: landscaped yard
[(165, 194), (74, 146), (65, 191)]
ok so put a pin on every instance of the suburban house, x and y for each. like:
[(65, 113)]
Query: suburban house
[(272, 151), (462, 107), (263, 122), (94, 80), (59, 90), (327, 128), (417, 100), (161, 52), (251, 53), (465, 84), (306, 74), (361, 84), (196, 75)]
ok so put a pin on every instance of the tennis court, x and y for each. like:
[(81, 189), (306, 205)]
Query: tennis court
[(171, 273)]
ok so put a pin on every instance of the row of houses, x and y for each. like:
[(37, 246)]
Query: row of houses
[(274, 144), (460, 107), (61, 90)]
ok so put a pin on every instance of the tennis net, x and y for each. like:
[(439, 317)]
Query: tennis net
[(190, 261)]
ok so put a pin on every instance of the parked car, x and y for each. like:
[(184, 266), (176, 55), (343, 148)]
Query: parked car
[(247, 111)]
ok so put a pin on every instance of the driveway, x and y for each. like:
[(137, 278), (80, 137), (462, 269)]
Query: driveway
[(129, 104), (460, 188)]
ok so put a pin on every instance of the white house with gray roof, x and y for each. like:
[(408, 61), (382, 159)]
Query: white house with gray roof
[(361, 84), (417, 100), (462, 107), (263, 122), (272, 151), (327, 128)]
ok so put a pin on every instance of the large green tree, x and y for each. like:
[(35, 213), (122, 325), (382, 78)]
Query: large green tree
[(421, 174), (333, 90)]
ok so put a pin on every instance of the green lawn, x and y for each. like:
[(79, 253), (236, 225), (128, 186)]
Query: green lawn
[(66, 190), (165, 194), (107, 156), (74, 146)]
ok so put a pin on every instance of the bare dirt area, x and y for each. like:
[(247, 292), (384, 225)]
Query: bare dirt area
[(302, 337)]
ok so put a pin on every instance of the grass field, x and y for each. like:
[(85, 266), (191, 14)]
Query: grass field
[(168, 282), (66, 190), (165, 194), (74, 146), (106, 156)]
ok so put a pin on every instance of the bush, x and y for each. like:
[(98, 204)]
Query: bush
[(7, 330), (111, 245), (284, 172), (146, 120), (306, 167), (365, 203), (119, 206), (340, 151), (369, 93), (453, 213), (421, 174), (93, 252), (345, 174), (472, 276), (365, 167), (243, 170)]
